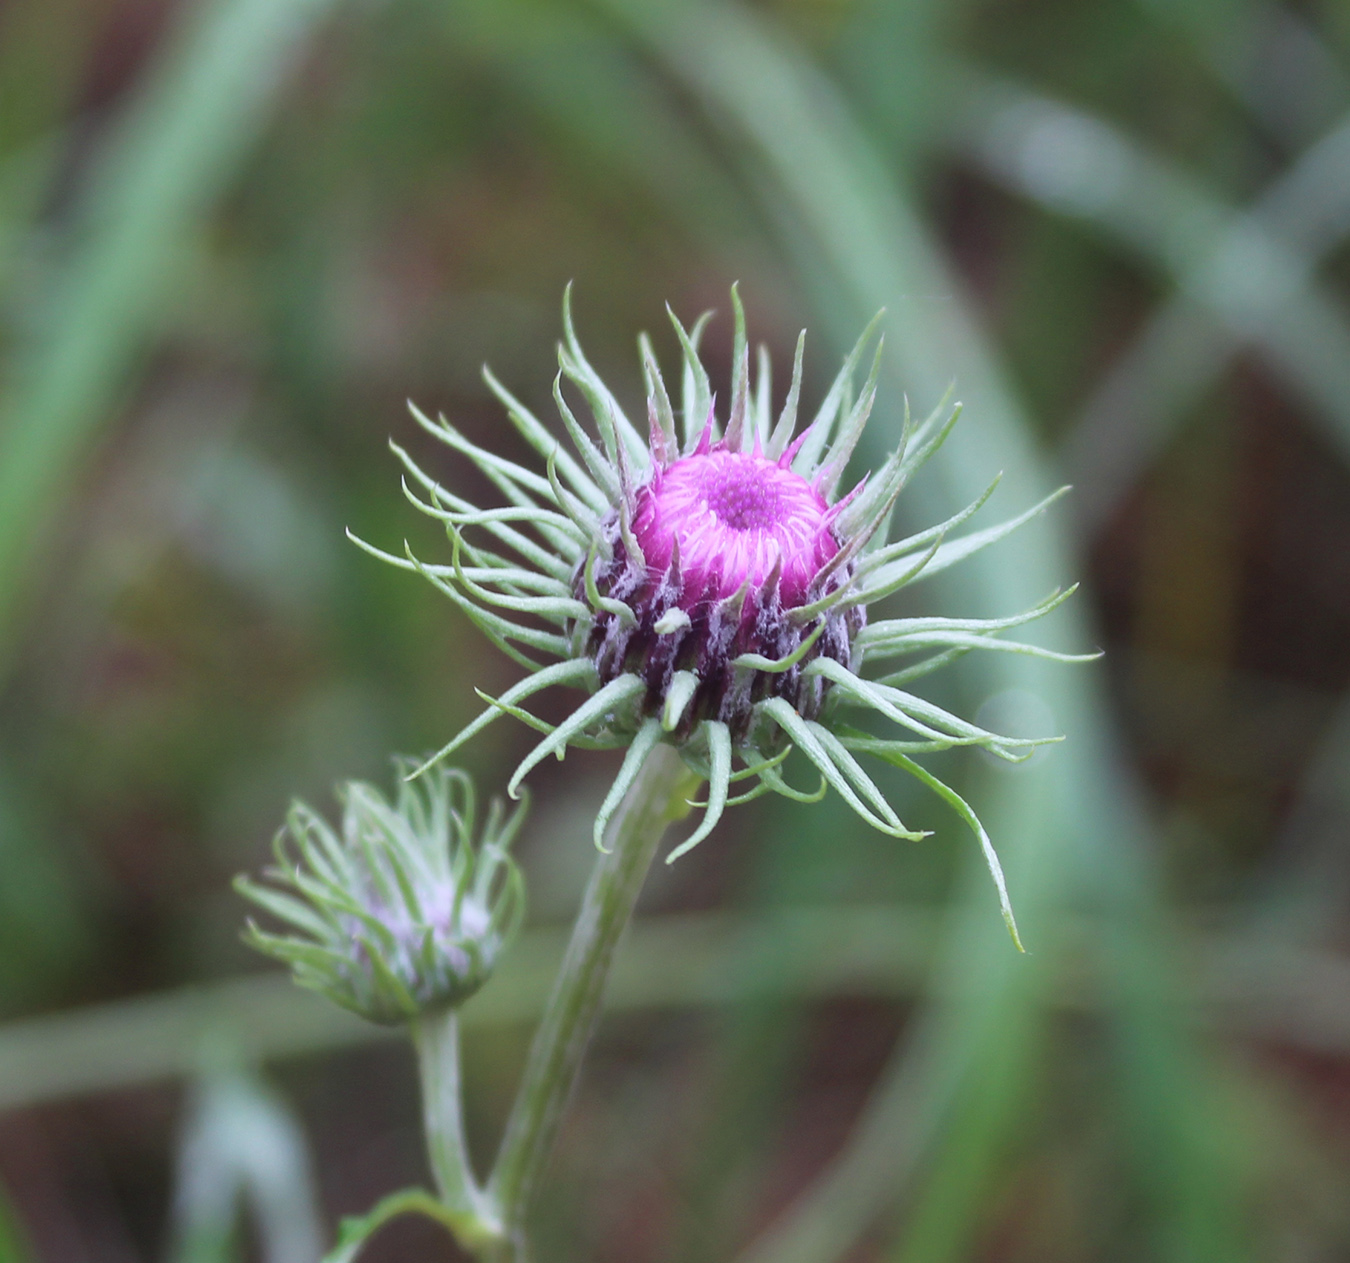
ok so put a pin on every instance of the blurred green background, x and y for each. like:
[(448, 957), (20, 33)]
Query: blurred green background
[(235, 235)]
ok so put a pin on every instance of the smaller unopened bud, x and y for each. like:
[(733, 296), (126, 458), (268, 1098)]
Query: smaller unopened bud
[(399, 912)]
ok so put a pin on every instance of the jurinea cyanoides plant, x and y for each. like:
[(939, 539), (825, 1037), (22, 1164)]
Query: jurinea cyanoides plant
[(707, 585)]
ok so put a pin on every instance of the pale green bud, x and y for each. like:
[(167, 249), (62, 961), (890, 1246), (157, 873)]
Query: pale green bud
[(400, 912)]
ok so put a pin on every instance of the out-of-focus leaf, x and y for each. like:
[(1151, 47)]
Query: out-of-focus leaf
[(1251, 275), (14, 1247), (41, 930), (241, 1147), (41, 53), (1304, 898), (168, 159), (1269, 56), (1182, 348)]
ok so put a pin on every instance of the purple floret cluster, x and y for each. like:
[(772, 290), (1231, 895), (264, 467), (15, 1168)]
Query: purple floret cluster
[(730, 542)]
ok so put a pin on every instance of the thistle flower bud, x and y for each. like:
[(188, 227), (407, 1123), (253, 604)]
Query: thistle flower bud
[(399, 912), (707, 585)]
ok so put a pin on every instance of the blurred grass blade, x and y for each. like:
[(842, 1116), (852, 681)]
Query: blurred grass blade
[(1182, 349), (1247, 273), (615, 111), (1269, 56), (165, 163), (1303, 900), (241, 1146), (862, 245), (1249, 986)]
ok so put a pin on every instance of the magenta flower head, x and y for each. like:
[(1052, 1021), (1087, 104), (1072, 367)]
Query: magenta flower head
[(708, 585)]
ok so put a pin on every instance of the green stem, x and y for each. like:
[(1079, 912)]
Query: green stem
[(436, 1038), (658, 797)]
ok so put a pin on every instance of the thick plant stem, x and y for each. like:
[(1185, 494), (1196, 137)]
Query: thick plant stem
[(436, 1038), (658, 797)]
